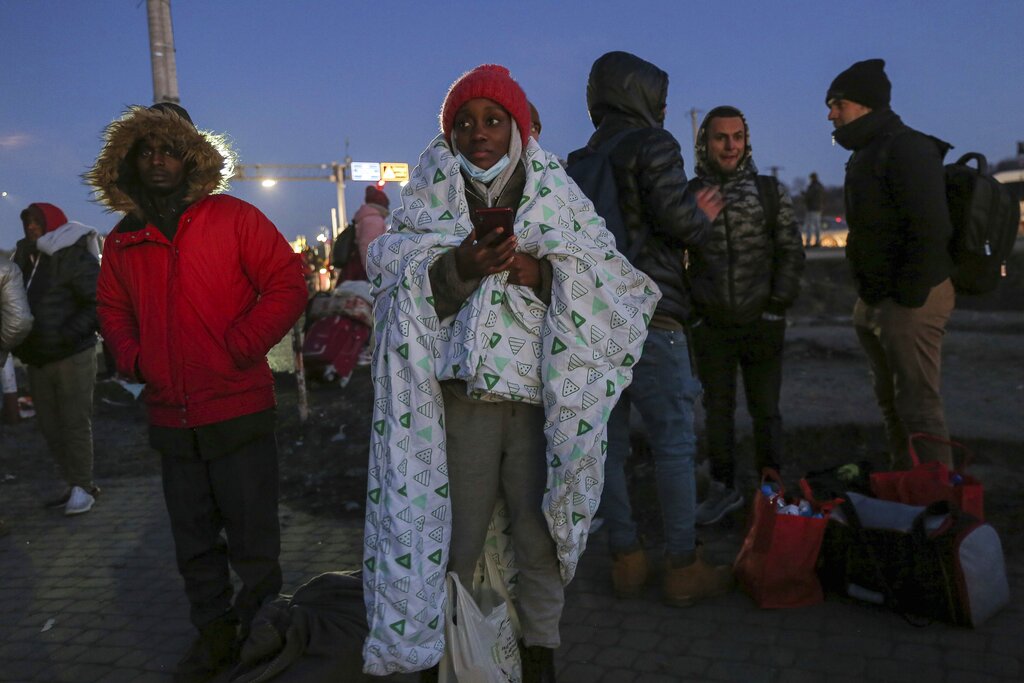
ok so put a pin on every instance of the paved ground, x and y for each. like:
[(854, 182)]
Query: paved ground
[(97, 598)]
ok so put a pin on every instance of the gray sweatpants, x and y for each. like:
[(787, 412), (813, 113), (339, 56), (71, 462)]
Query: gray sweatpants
[(499, 447)]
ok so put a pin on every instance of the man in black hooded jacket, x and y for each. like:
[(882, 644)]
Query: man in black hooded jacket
[(898, 251), (628, 94)]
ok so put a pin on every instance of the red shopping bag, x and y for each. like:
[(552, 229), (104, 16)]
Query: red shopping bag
[(929, 482), (777, 563)]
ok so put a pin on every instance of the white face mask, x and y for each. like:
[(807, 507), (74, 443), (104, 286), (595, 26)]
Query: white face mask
[(479, 174)]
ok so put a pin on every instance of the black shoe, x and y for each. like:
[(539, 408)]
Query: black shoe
[(214, 651), (430, 675), (538, 664)]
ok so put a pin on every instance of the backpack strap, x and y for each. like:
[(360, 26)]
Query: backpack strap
[(768, 195)]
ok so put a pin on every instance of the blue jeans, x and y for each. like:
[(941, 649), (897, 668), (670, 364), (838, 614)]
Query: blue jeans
[(664, 391)]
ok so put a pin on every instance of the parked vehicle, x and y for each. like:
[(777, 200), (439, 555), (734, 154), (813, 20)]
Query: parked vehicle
[(833, 232)]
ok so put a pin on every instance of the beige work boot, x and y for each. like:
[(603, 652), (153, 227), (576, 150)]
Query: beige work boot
[(629, 572), (685, 584)]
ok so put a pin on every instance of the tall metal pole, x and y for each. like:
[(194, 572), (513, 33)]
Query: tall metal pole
[(161, 51), (338, 171)]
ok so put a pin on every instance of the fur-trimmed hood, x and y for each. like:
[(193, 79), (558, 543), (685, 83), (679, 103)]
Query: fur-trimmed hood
[(209, 161)]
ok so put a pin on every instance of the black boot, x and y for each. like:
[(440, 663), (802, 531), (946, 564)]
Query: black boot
[(538, 664), (212, 652)]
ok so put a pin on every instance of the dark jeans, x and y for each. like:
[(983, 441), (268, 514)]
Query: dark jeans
[(756, 349), (235, 492)]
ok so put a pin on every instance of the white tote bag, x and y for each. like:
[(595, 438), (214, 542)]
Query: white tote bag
[(481, 648)]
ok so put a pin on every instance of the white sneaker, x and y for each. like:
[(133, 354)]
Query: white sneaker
[(79, 502)]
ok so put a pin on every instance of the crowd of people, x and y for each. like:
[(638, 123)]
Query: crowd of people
[(512, 339)]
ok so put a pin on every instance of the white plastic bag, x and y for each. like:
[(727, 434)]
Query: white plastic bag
[(482, 648)]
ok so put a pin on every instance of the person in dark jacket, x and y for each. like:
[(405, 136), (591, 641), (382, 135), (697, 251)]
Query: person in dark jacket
[(626, 93), (898, 251), (195, 289), (744, 278), (59, 262), (814, 199), (15, 324)]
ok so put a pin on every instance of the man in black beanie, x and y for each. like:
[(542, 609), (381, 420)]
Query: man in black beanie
[(898, 252)]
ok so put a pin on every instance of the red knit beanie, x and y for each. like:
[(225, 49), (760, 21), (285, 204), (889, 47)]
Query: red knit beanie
[(494, 82), (374, 195)]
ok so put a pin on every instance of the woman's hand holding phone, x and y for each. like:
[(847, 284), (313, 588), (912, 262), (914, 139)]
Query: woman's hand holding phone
[(492, 253)]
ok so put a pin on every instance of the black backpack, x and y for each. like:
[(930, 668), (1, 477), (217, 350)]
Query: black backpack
[(344, 247), (596, 178), (985, 217)]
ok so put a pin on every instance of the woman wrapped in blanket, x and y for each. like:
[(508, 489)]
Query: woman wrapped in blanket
[(480, 338)]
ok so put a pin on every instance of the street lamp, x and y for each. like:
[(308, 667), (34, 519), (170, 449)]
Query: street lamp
[(271, 174)]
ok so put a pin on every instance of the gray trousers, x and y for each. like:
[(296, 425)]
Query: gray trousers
[(904, 350), (62, 396), (500, 447)]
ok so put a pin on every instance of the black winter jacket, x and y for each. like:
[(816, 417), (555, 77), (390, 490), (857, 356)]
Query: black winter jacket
[(898, 246), (62, 296), (746, 268), (626, 92)]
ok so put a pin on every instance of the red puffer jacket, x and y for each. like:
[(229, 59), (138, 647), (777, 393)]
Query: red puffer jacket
[(194, 319)]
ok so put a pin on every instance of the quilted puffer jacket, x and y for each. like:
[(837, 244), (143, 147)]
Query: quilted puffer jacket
[(15, 316), (747, 267), (625, 92)]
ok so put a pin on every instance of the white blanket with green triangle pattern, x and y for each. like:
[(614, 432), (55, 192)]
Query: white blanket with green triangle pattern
[(573, 357)]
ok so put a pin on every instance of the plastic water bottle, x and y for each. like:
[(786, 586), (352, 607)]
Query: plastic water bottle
[(955, 479), (805, 508)]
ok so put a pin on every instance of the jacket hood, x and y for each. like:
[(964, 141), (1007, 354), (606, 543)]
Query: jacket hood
[(622, 84), (209, 161), (370, 209), (67, 235), (704, 167), (52, 216)]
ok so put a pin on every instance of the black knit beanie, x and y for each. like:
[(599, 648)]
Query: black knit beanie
[(865, 83), (174, 108)]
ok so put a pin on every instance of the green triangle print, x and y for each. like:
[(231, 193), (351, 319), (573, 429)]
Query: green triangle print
[(435, 557), (370, 564), (497, 297), (434, 201), (374, 495), (495, 338), (403, 491), (598, 306), (525, 198), (378, 427), (537, 166), (398, 627), (438, 176), (491, 380), (552, 165), (446, 216), (544, 228), (583, 428), (403, 351), (578, 319), (405, 420), (442, 491), (576, 517), (555, 461), (377, 280), (434, 622), (544, 191), (404, 560), (557, 346), (610, 388), (628, 360)]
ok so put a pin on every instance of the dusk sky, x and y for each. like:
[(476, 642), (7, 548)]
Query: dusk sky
[(292, 82)]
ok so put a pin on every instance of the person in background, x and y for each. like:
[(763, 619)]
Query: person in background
[(196, 287), (59, 260), (370, 221), (814, 198), (535, 124), (898, 250), (627, 98), (743, 280), (15, 324)]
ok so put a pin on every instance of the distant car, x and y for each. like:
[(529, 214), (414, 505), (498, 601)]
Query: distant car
[(833, 232)]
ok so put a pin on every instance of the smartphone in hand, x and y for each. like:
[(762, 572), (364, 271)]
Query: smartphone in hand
[(489, 219)]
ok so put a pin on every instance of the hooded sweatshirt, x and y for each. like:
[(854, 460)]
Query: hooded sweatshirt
[(746, 267), (60, 271), (191, 311)]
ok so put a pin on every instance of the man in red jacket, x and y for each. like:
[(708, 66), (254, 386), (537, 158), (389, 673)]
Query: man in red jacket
[(194, 290)]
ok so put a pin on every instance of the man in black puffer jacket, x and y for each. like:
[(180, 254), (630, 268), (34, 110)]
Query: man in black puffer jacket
[(898, 251), (626, 93), (60, 264), (744, 278)]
